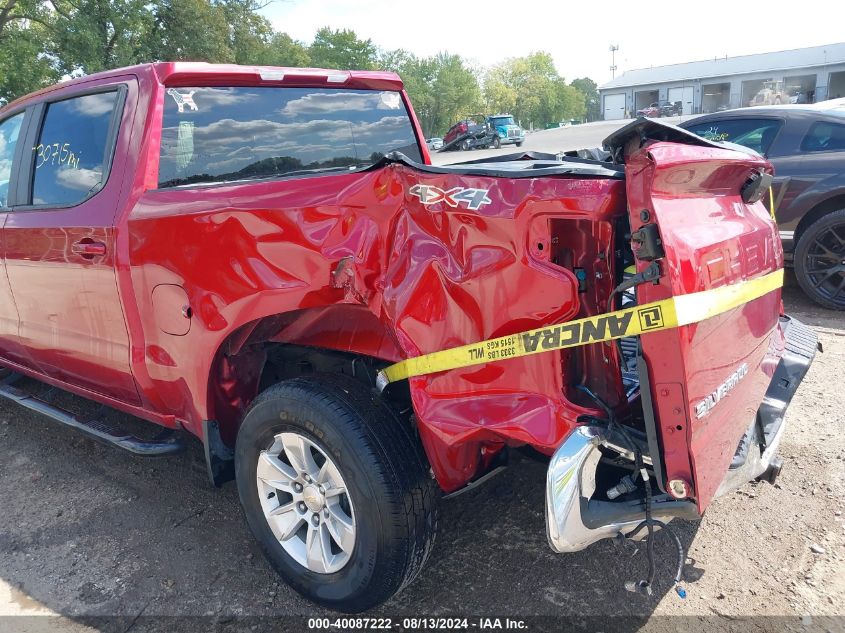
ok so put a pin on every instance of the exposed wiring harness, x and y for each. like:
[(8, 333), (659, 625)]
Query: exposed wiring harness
[(642, 586)]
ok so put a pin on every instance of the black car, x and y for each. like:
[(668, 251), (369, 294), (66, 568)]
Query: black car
[(806, 145), (671, 108)]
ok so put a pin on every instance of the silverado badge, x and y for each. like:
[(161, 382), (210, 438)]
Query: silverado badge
[(703, 407)]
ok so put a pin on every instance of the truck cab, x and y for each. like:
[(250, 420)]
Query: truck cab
[(507, 129)]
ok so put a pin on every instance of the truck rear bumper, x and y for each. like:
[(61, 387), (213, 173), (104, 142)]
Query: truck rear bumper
[(574, 520), (765, 434)]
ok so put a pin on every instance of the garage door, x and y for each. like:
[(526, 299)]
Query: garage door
[(614, 107), (684, 95)]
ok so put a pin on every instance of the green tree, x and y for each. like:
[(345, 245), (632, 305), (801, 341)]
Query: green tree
[(343, 50), (531, 89), (590, 91), (24, 67), (94, 35), (250, 34), (283, 50), (188, 30), (26, 27), (456, 89), (442, 88), (16, 15)]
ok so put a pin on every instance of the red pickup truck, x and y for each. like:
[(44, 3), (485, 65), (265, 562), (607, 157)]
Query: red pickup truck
[(265, 260)]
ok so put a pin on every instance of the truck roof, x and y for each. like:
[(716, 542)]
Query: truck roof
[(203, 73)]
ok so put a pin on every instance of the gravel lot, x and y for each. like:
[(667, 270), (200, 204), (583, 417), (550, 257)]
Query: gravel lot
[(87, 531)]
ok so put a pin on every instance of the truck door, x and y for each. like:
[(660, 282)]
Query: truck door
[(10, 132), (689, 215), (60, 244)]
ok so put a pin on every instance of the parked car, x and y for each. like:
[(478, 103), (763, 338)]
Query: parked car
[(799, 97), (650, 111), (434, 143), (806, 145), (671, 108), (351, 332), (507, 131)]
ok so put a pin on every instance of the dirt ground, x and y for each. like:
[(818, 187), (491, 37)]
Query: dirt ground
[(87, 531)]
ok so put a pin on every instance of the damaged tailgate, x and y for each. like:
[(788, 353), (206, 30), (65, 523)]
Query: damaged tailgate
[(695, 212)]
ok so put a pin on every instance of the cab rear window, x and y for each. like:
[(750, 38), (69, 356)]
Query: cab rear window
[(230, 134)]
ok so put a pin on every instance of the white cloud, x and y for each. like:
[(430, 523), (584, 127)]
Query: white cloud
[(327, 102), (79, 179), (94, 105), (222, 96)]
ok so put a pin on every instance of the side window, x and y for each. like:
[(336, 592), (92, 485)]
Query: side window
[(73, 148), (9, 131), (824, 137), (756, 134)]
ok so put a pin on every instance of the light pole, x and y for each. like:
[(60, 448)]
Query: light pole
[(613, 49)]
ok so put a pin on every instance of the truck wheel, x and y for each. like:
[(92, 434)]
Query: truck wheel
[(496, 143), (820, 260), (465, 145), (519, 144), (337, 491)]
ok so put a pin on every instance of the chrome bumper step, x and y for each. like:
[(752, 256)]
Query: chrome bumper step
[(573, 519)]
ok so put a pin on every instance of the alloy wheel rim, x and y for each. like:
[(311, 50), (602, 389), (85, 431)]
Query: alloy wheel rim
[(826, 264), (306, 503)]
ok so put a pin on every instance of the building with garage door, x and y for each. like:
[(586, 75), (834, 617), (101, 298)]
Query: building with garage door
[(802, 75)]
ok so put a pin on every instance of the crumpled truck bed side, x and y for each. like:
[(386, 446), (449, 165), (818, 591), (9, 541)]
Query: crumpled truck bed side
[(369, 263)]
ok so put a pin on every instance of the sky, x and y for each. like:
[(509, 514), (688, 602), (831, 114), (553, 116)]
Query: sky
[(577, 34)]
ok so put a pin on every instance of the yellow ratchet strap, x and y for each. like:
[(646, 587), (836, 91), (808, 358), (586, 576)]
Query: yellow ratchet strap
[(641, 319), (772, 203)]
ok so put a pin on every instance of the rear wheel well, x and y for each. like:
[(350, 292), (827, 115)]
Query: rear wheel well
[(820, 210), (240, 373)]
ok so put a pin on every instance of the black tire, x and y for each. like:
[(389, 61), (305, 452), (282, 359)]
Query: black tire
[(820, 260), (465, 146), (386, 475), (519, 144), (496, 144)]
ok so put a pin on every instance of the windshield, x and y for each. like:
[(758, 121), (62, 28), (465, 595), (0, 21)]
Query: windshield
[(227, 134), (502, 120)]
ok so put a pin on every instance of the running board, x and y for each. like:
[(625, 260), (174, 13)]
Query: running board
[(96, 429)]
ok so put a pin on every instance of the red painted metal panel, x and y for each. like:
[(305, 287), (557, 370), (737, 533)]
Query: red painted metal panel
[(415, 278), (712, 238), (71, 317)]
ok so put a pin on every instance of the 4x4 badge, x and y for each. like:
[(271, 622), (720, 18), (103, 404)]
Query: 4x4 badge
[(429, 194)]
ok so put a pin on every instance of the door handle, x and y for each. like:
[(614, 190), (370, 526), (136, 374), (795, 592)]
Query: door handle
[(88, 249)]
